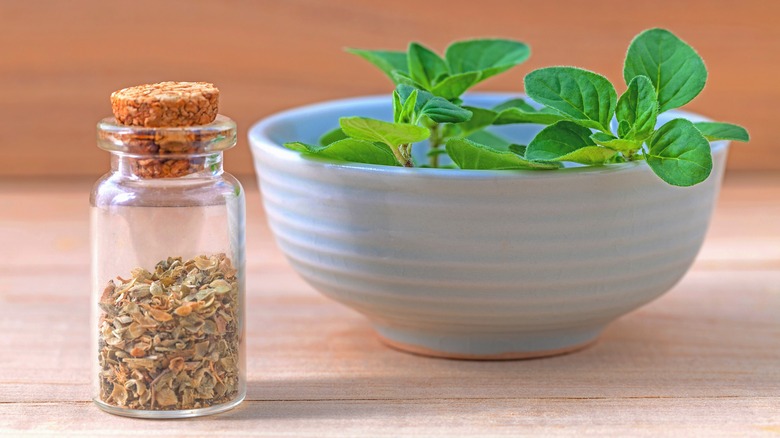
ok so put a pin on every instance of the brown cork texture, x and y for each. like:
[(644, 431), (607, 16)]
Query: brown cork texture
[(165, 105)]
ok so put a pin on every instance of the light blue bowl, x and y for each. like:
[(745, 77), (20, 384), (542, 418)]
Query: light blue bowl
[(478, 264)]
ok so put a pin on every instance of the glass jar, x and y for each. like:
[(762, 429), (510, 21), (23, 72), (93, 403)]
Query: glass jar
[(168, 273)]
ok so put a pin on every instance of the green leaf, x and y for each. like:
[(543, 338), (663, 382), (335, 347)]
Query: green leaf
[(679, 154), (480, 118), (488, 57), (408, 108), (303, 147), (722, 131), (441, 110), (518, 111), (519, 149), (515, 115), (425, 66), (334, 134), (579, 94), (624, 128), (453, 86), (404, 91), (349, 149), (618, 144), (436, 108), (638, 108), (567, 141), (467, 154), (514, 103), (489, 139), (388, 61), (403, 78), (393, 134), (675, 69), (397, 106)]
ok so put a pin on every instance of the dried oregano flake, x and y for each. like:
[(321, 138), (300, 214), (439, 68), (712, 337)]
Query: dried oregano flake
[(169, 338)]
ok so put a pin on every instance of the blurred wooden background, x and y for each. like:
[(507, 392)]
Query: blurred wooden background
[(59, 61)]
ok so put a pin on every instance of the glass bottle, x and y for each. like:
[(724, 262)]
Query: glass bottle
[(168, 272)]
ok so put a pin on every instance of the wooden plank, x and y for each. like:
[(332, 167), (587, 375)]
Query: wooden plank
[(701, 360), (716, 334), (440, 417), (61, 60)]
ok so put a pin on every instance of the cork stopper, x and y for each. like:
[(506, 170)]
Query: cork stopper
[(166, 104), (168, 128)]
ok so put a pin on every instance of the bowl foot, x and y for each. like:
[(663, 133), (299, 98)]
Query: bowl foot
[(497, 346)]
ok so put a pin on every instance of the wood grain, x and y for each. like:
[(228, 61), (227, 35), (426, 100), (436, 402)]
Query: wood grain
[(429, 418), (61, 60), (702, 360)]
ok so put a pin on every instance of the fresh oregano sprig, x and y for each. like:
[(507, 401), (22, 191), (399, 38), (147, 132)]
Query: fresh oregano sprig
[(426, 100), (662, 72), (587, 123)]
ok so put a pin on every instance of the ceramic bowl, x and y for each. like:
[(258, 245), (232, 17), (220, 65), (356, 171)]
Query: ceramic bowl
[(477, 264)]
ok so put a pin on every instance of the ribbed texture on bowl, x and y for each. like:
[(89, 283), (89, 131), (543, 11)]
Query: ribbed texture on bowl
[(483, 256)]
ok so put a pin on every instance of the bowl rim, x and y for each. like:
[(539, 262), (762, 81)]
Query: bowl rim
[(259, 139)]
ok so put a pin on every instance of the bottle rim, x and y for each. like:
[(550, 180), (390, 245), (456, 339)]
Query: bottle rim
[(217, 136)]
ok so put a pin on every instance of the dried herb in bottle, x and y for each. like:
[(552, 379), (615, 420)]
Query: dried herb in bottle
[(168, 257)]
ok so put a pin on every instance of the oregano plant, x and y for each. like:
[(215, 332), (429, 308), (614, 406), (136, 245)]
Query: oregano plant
[(586, 122), (426, 101)]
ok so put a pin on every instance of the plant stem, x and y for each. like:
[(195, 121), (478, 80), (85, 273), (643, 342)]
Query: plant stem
[(435, 142), (403, 155), (399, 155)]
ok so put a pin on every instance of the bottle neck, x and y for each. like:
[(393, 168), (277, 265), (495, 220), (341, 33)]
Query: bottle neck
[(166, 153), (167, 166)]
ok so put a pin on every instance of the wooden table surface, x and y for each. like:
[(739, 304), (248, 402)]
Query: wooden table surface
[(702, 360)]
